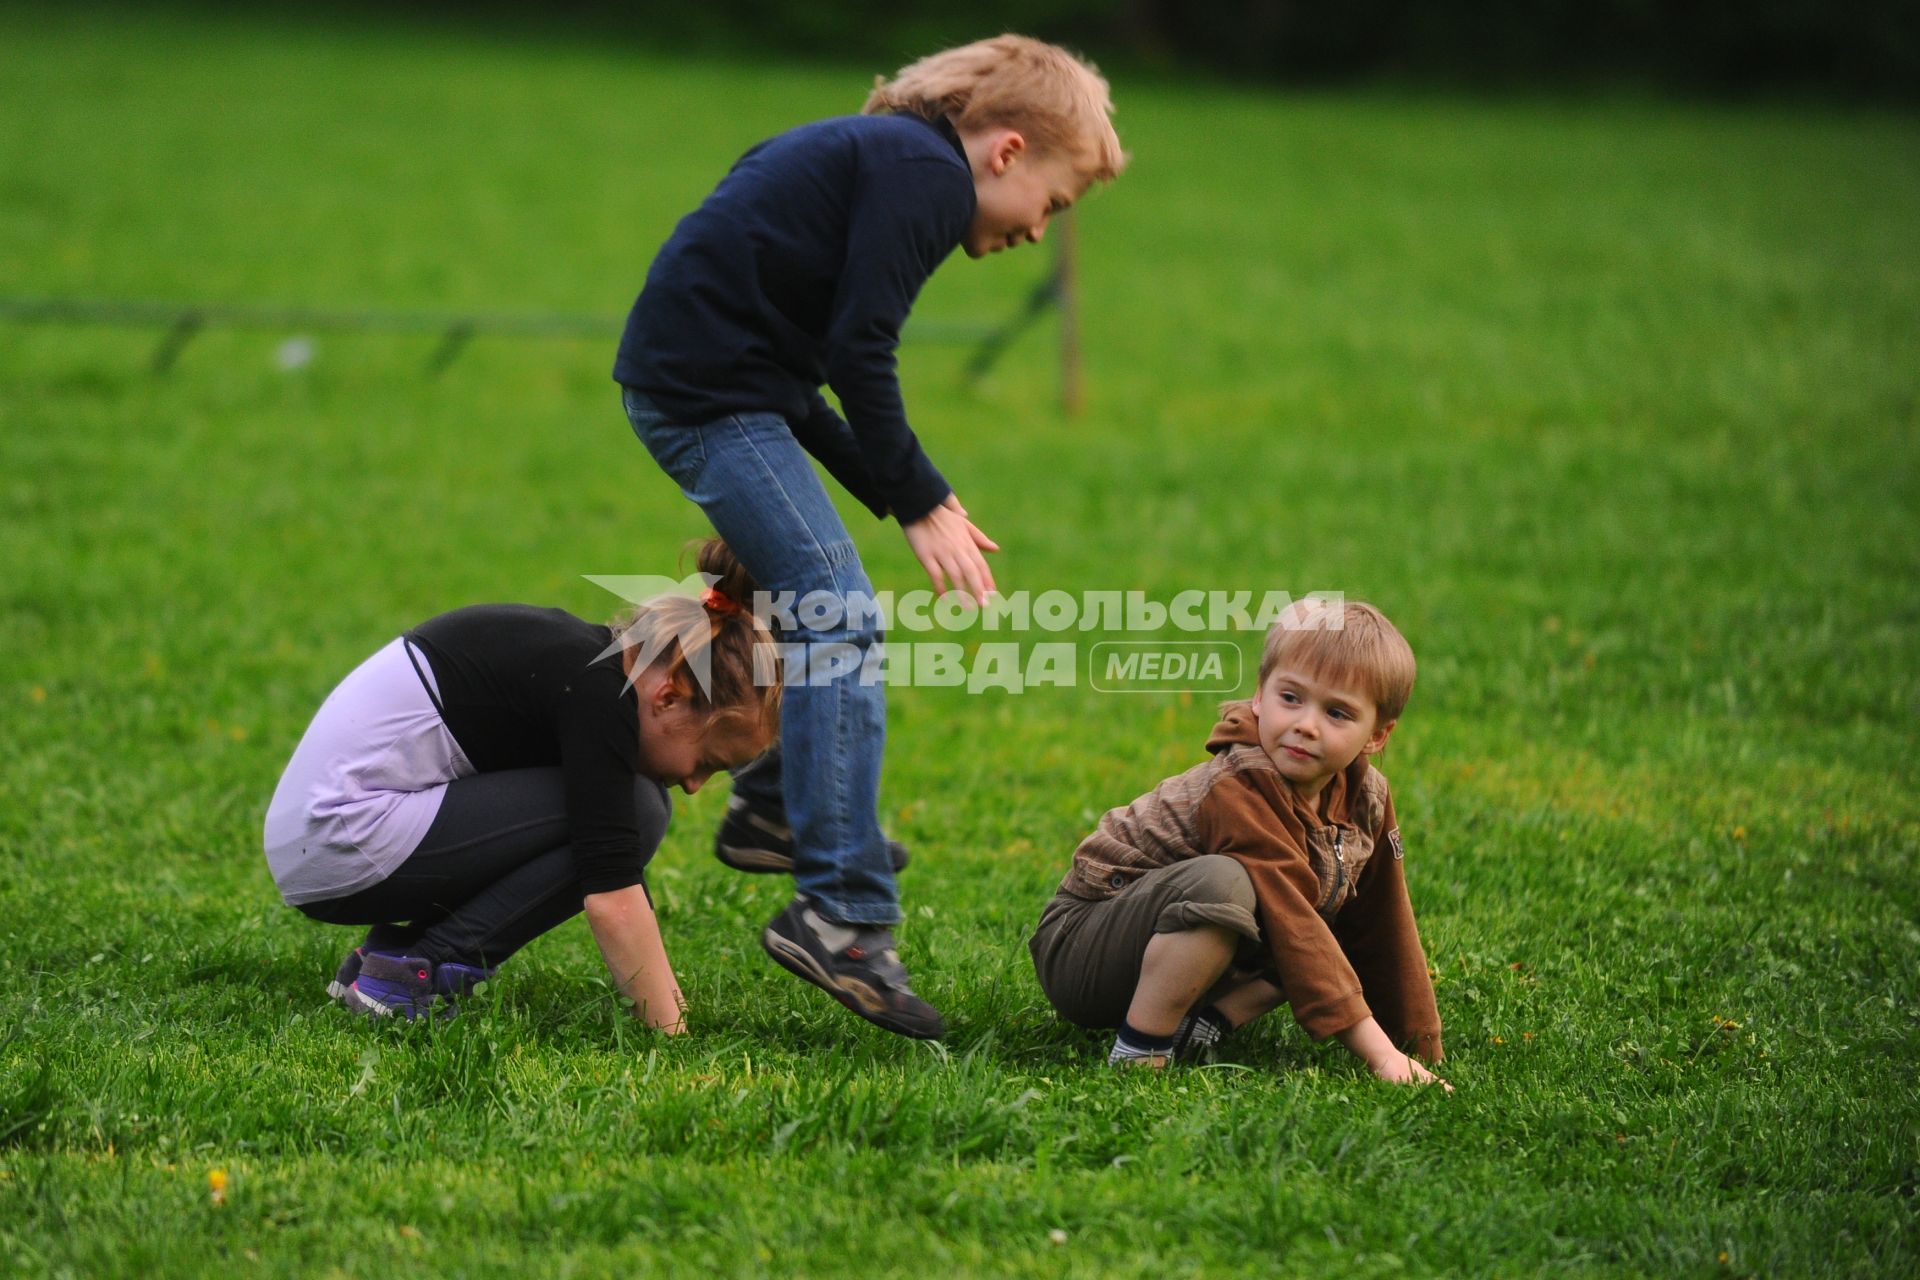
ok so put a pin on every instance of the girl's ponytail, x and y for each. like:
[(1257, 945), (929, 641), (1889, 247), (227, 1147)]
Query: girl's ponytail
[(730, 578)]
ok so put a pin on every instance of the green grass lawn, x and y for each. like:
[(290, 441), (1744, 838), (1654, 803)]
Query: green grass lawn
[(1610, 404)]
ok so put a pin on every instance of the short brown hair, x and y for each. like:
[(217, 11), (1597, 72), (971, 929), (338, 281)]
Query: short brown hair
[(1058, 101), (741, 689), (1342, 641)]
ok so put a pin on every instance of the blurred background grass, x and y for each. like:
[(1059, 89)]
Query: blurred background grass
[(1608, 399)]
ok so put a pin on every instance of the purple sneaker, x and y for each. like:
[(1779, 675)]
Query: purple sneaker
[(390, 984), (343, 977), (453, 980), (411, 986)]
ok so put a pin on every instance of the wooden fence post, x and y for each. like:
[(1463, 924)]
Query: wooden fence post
[(1067, 298)]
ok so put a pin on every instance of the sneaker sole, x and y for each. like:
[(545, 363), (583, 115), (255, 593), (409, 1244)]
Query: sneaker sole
[(355, 1001), (758, 861), (337, 991), (857, 996), (772, 862)]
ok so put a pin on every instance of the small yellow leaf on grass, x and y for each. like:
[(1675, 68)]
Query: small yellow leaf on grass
[(1498, 1040), (1739, 833), (37, 694)]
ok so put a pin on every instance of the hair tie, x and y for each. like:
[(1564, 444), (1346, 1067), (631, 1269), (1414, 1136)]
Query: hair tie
[(720, 602)]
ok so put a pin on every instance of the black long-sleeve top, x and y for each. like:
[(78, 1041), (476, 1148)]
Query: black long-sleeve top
[(522, 687), (797, 271)]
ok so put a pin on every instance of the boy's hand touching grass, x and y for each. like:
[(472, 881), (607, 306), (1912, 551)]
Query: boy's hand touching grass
[(948, 546), (1366, 1041), (1404, 1069)]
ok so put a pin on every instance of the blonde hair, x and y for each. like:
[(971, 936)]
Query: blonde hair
[(1341, 641), (718, 652), (1057, 101)]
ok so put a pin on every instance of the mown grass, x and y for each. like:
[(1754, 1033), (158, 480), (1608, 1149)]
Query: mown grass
[(1610, 403)]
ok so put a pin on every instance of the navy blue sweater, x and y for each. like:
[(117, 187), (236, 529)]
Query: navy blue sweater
[(798, 271)]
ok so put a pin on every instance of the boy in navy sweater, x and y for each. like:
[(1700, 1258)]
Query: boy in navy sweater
[(796, 272)]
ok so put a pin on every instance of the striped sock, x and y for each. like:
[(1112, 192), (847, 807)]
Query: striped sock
[(1132, 1044)]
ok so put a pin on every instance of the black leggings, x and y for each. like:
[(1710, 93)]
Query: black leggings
[(493, 872)]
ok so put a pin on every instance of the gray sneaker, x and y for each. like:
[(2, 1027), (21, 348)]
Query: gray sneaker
[(864, 974), (752, 840)]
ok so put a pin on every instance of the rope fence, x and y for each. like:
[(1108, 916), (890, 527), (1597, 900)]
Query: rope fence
[(180, 322)]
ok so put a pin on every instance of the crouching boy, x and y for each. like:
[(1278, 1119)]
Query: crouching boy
[(1269, 874)]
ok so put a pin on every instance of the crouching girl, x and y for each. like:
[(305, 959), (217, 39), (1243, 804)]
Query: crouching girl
[(499, 768)]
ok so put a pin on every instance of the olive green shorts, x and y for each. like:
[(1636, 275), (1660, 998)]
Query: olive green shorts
[(1087, 952)]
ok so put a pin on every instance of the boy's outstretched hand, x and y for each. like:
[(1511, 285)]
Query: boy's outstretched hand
[(1407, 1071), (948, 546), (1369, 1043)]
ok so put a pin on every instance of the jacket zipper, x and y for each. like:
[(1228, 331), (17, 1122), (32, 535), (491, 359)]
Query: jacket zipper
[(1339, 867)]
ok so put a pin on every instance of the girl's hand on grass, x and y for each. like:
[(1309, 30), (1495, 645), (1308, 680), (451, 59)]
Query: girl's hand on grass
[(948, 546)]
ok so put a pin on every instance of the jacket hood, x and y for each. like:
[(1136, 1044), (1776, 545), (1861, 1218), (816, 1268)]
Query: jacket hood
[(1237, 728)]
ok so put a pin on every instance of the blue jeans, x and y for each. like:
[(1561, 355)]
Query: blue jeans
[(758, 488)]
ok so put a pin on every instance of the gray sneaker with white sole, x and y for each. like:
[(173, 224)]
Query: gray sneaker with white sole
[(855, 964)]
